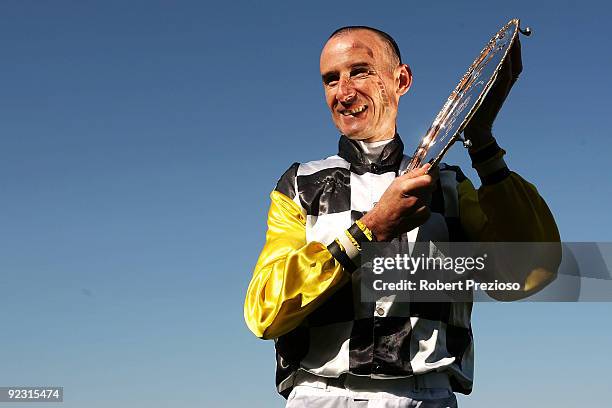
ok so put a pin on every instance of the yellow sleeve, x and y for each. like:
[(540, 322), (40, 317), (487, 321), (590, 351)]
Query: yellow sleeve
[(291, 277), (510, 209)]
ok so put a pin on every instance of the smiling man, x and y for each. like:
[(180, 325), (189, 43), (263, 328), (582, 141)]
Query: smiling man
[(363, 80), (332, 349)]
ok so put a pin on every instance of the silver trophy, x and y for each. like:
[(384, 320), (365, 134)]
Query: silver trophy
[(463, 102)]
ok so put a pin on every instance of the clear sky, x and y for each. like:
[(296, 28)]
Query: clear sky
[(139, 142)]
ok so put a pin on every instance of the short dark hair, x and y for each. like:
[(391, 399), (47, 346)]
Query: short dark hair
[(384, 36)]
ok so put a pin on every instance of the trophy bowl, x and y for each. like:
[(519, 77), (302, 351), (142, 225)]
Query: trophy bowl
[(465, 99)]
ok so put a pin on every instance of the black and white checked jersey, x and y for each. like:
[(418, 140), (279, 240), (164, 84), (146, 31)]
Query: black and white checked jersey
[(300, 290), (381, 339)]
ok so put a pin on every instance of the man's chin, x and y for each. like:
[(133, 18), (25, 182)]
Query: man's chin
[(357, 137), (366, 134), (356, 134)]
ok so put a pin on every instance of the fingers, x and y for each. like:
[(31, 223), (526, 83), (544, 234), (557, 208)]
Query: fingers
[(417, 186), (404, 205), (416, 192), (417, 172), (435, 174), (517, 60), (511, 68), (503, 82), (417, 196)]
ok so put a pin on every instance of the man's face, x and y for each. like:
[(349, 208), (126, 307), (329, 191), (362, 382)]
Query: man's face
[(362, 85)]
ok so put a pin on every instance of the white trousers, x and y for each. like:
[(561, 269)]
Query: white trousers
[(314, 395)]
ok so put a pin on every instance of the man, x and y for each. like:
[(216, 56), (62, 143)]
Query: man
[(333, 349)]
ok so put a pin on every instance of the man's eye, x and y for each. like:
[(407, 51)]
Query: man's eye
[(330, 80), (360, 73)]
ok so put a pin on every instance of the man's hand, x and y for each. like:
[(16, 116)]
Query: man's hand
[(479, 129), (403, 206)]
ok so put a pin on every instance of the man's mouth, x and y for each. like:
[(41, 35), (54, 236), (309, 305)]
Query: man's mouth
[(355, 111)]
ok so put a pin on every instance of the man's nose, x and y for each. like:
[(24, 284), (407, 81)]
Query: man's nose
[(346, 92)]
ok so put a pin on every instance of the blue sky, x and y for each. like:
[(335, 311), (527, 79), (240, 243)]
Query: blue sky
[(139, 142)]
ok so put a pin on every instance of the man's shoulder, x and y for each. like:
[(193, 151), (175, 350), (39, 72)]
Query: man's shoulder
[(313, 166), (286, 183)]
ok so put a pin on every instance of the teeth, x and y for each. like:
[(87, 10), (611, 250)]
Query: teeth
[(354, 111)]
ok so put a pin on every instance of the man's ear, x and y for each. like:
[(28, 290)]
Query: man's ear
[(405, 79)]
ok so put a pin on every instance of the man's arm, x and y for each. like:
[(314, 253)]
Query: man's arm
[(293, 277), (507, 208)]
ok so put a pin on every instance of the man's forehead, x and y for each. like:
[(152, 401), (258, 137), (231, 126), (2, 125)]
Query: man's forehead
[(344, 43), (356, 41)]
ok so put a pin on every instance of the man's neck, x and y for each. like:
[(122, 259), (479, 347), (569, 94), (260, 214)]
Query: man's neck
[(372, 150), (386, 134)]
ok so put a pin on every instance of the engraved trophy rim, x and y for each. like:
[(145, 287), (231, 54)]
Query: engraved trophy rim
[(452, 101)]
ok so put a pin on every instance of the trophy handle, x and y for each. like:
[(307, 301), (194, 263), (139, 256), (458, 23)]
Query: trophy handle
[(525, 31)]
